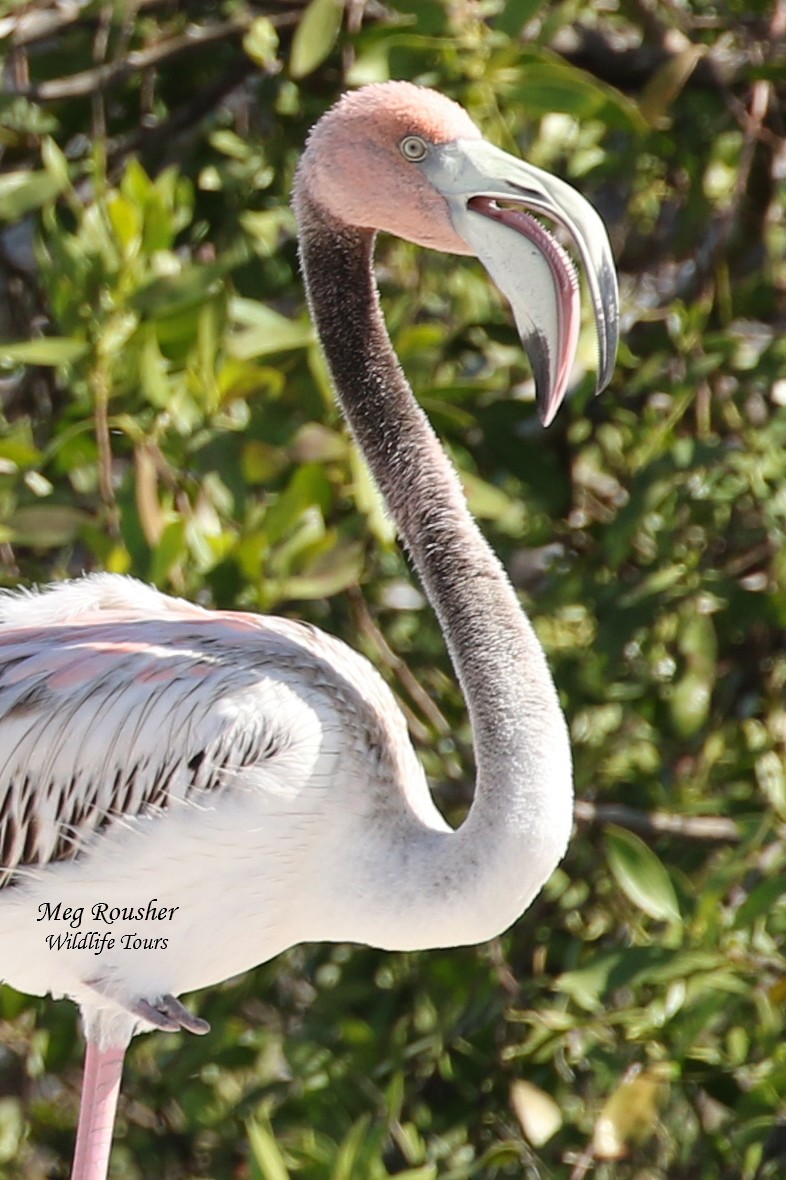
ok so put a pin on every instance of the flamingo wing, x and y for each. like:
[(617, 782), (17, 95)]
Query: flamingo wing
[(102, 720)]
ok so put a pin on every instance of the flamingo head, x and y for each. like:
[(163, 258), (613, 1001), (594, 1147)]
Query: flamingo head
[(404, 159)]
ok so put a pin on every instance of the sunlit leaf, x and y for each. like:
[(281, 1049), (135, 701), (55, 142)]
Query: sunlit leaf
[(168, 552), (315, 443), (20, 192), (630, 1115), (44, 526), (514, 17), (339, 569), (641, 875), (261, 330), (551, 85), (605, 972), (667, 82), (538, 1113), (265, 1154), (56, 163), (18, 449), (49, 350), (490, 503), (771, 777), (662, 579), (179, 291), (11, 1128), (347, 1156), (760, 901), (689, 702), (315, 36), (368, 498), (261, 42), (126, 221)]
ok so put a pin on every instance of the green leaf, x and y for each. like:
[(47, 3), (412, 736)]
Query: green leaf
[(45, 526), (12, 1126), (641, 875), (772, 780), (591, 985), (168, 550), (760, 901), (368, 498), (549, 84), (12, 1002), (266, 1156), (17, 445), (515, 16), (56, 163), (169, 296), (21, 192), (371, 65), (538, 1113), (261, 42), (330, 574), (689, 702), (264, 331), (50, 350), (667, 83), (315, 36), (630, 1114), (664, 578), (348, 1162), (490, 503), (126, 220)]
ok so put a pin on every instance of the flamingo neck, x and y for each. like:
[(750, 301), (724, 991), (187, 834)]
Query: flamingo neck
[(521, 815)]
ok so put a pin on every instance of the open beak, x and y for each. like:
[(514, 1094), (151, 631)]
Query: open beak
[(491, 197)]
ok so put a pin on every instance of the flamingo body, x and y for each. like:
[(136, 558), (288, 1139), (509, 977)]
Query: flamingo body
[(194, 756), (185, 793)]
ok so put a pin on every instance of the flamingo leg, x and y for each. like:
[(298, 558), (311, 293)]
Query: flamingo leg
[(100, 1089)]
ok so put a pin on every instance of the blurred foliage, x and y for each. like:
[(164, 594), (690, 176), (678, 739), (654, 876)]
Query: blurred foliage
[(165, 412)]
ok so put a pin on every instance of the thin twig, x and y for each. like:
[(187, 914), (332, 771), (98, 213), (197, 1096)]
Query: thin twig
[(100, 49), (113, 73), (658, 823), (42, 24), (179, 120), (399, 668), (752, 122), (104, 445)]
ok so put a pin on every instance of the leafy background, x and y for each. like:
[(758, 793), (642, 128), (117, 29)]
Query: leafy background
[(165, 412)]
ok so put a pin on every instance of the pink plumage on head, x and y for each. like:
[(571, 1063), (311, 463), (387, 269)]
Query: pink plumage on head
[(402, 108), (353, 168)]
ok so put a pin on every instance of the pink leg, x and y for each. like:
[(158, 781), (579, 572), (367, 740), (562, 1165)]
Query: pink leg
[(100, 1088)]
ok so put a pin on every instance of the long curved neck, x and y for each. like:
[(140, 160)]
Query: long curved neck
[(522, 805)]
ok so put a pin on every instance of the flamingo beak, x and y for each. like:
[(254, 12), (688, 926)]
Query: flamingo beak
[(492, 198)]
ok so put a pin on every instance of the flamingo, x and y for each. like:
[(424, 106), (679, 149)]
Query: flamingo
[(185, 793)]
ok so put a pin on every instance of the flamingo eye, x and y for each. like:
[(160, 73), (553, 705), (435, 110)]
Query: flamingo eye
[(413, 148)]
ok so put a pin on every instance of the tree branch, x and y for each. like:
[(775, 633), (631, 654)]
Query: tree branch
[(113, 73), (182, 118), (658, 823)]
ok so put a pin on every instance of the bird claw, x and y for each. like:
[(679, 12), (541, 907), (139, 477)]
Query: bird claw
[(170, 1015), (167, 1013)]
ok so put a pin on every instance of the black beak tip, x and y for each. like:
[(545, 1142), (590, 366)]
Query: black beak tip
[(547, 402), (547, 409)]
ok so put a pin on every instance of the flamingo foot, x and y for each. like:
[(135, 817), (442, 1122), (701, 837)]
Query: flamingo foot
[(170, 1015)]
